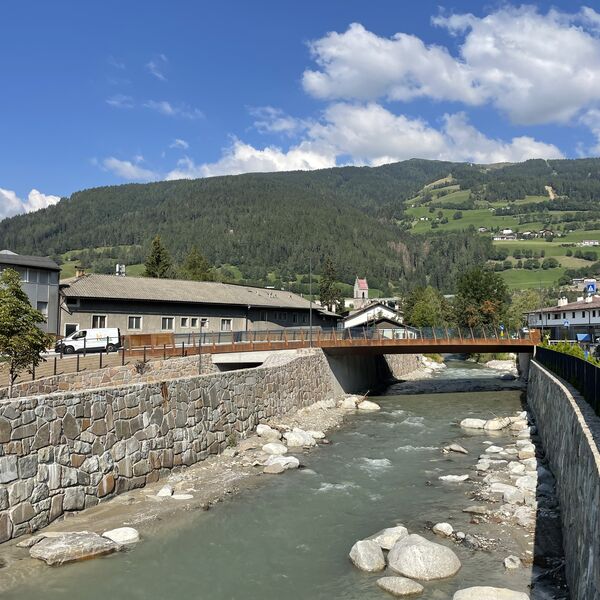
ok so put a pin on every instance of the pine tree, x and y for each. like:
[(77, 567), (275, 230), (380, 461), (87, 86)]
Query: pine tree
[(158, 262), (21, 339), (196, 267), (330, 294)]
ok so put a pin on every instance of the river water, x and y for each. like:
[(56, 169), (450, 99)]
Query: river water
[(290, 537)]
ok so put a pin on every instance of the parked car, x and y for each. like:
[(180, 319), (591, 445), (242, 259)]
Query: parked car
[(107, 339)]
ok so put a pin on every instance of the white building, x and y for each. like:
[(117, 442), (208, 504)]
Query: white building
[(589, 243), (568, 319), (370, 313)]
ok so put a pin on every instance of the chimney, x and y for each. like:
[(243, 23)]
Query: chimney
[(579, 298), (562, 301), (79, 271), (588, 299)]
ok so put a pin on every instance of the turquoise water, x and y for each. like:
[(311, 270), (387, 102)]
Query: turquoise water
[(289, 539)]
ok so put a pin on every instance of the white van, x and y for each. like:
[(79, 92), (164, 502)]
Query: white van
[(106, 339)]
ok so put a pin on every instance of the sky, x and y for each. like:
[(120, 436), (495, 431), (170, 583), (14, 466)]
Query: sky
[(110, 92)]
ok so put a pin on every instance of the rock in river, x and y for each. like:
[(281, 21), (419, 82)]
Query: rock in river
[(456, 448), (400, 586), (453, 478), (418, 558), (473, 423), (123, 535), (367, 556), (368, 405), (386, 538), (488, 593), (274, 469), (287, 462), (443, 529), (72, 547), (497, 424)]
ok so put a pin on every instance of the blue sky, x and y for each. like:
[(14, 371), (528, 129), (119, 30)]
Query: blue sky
[(101, 93)]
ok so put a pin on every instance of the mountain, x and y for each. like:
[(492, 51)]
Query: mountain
[(265, 227)]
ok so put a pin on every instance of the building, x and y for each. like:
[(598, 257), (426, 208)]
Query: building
[(375, 310), (39, 277), (144, 305), (567, 319), (589, 243), (361, 293)]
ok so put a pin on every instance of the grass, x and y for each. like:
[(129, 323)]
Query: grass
[(517, 279)]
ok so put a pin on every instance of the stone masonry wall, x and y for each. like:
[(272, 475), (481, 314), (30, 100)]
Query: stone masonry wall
[(402, 364), (570, 433), (67, 451), (155, 370)]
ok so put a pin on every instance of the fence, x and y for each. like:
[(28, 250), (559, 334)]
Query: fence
[(279, 339), (581, 374)]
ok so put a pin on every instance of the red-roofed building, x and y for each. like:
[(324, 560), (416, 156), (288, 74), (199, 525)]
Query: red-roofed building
[(361, 292)]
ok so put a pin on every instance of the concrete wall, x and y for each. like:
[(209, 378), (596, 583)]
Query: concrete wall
[(67, 451), (356, 373), (570, 433)]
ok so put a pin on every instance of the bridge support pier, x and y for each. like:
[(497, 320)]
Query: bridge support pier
[(523, 360)]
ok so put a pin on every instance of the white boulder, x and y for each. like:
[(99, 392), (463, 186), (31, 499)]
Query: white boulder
[(265, 431), (418, 558), (512, 562), (473, 423), (386, 538), (400, 586), (494, 449), (367, 555), (368, 405), (497, 424), (453, 478), (274, 448), (317, 435), (443, 529), (123, 535), (165, 491)]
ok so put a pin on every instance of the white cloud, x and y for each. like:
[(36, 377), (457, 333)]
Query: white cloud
[(120, 101), (537, 68), (170, 110), (157, 66), (126, 169), (591, 119), (369, 135), (179, 143), (244, 158), (11, 204), (275, 120)]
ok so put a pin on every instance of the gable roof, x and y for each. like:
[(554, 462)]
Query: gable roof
[(21, 260), (579, 305), (362, 284), (371, 306), (112, 287)]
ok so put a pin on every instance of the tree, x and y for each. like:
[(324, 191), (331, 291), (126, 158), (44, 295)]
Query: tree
[(481, 299), (425, 307), (21, 339), (158, 262), (196, 267), (522, 302), (330, 294)]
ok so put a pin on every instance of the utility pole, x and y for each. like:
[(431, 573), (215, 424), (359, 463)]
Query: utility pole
[(310, 332)]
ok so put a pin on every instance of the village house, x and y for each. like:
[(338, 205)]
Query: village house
[(39, 280), (140, 305)]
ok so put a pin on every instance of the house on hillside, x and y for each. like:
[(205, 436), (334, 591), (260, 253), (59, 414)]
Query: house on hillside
[(139, 305), (380, 316), (39, 279)]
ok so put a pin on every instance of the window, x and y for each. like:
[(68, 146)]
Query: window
[(284, 316), (43, 308), (583, 314), (194, 322), (573, 314), (557, 316), (185, 322), (167, 323), (134, 322), (593, 313), (204, 322), (225, 324), (70, 328), (43, 277), (264, 316), (98, 321), (72, 301), (32, 276), (295, 318), (305, 318), (564, 315), (80, 335)]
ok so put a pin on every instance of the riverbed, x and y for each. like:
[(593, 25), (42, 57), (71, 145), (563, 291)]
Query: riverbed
[(290, 537)]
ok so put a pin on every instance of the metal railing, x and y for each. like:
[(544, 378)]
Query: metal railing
[(88, 359), (581, 374)]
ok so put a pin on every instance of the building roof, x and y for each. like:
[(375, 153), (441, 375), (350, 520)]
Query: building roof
[(20, 260), (579, 305), (371, 306), (112, 287), (362, 284)]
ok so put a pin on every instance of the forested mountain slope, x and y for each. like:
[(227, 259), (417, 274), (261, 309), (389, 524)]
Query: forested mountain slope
[(274, 222)]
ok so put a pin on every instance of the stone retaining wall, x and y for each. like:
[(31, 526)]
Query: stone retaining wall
[(570, 433), (154, 370), (66, 451), (402, 364)]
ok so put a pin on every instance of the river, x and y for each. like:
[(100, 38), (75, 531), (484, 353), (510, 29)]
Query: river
[(290, 537)]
